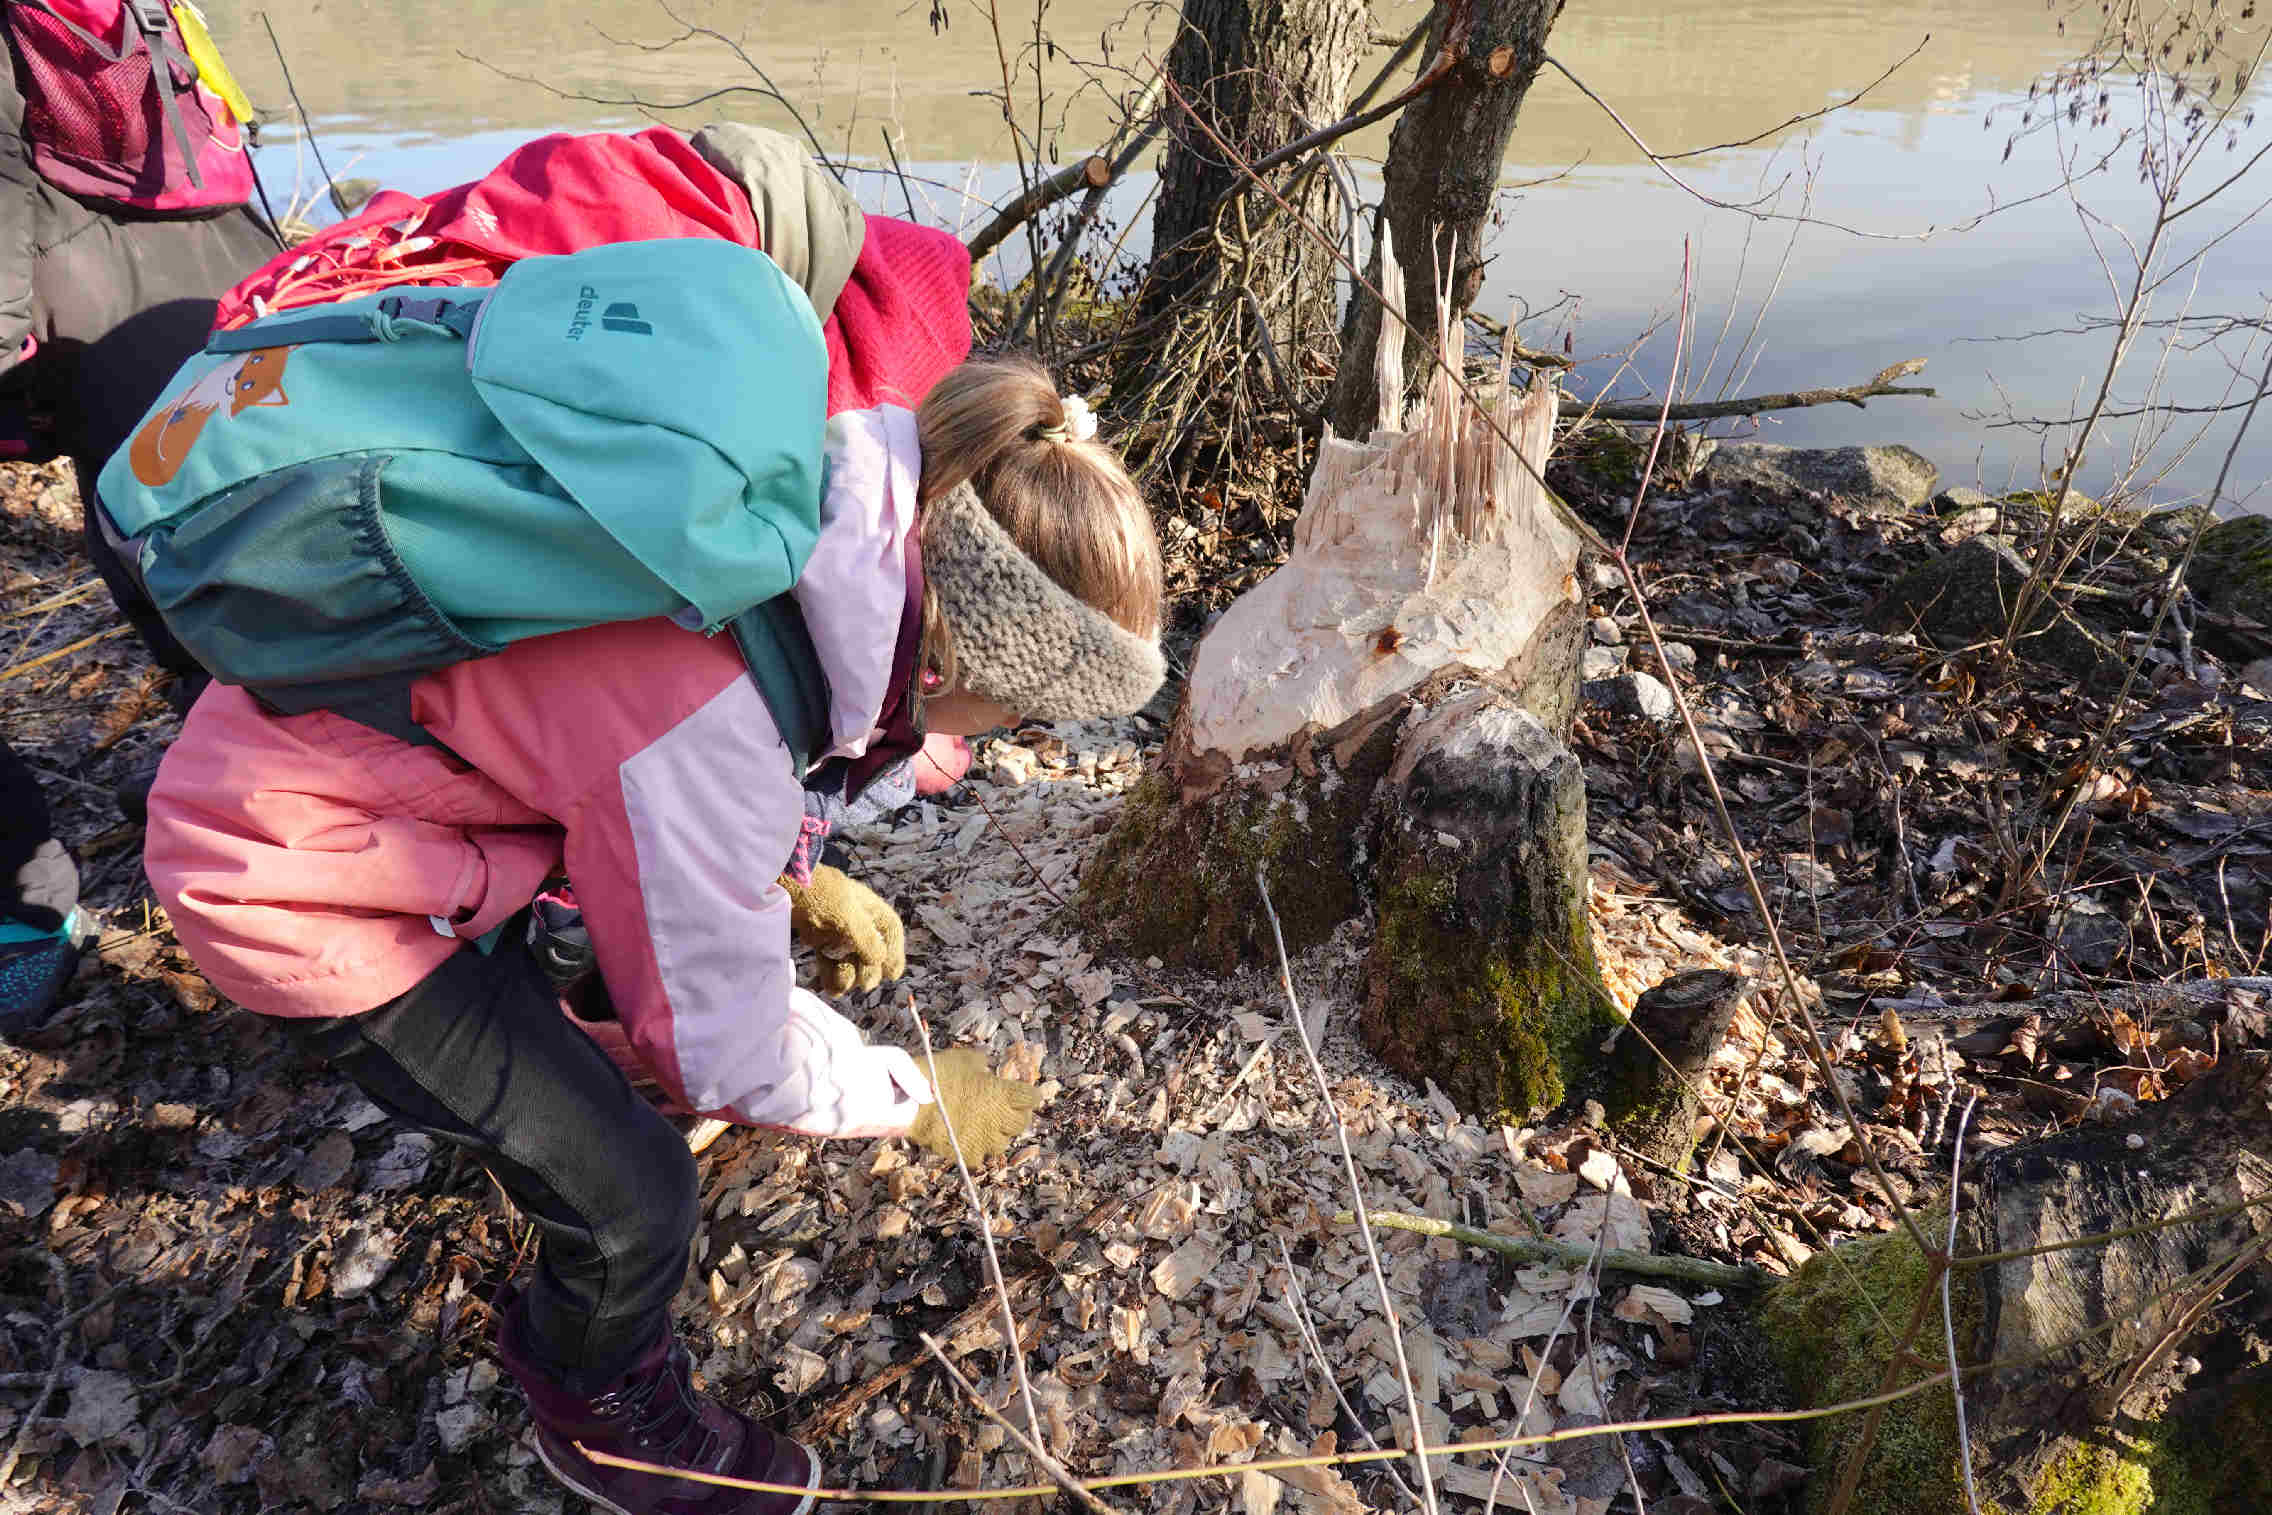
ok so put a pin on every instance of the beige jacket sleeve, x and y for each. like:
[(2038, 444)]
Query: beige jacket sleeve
[(813, 229)]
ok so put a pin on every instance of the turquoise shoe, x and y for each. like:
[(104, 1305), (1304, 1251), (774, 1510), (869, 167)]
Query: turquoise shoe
[(35, 964)]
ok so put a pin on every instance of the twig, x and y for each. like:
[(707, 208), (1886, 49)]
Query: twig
[(307, 129), (1695, 1270), (1948, 1314), (1012, 1345), (1033, 1447), (1315, 1346), (1751, 405), (1357, 1199), (54, 1374), (15, 670)]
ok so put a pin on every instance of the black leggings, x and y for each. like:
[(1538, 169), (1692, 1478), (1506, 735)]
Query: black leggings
[(480, 1055)]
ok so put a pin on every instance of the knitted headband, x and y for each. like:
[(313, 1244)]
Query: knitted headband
[(1020, 639)]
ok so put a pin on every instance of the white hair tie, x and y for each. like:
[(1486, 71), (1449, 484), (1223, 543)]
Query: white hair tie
[(1080, 423)]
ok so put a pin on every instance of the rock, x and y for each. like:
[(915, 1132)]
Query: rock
[(1598, 663), (350, 195), (27, 1183), (1680, 657), (1606, 632), (2232, 568), (1959, 498), (1482, 972), (1632, 694), (1882, 478), (1967, 595)]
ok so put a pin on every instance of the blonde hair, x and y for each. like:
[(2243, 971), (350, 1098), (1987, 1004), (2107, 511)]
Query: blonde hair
[(1070, 506)]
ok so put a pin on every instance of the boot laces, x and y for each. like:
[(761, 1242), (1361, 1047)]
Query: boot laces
[(662, 1411)]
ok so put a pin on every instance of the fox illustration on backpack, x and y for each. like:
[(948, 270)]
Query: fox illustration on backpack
[(163, 443)]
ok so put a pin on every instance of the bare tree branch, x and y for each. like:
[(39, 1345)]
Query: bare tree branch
[(1713, 410)]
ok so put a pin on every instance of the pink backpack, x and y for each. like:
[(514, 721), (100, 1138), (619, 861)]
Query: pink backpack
[(113, 109)]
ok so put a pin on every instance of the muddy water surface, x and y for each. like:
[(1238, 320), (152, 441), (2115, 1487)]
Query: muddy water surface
[(424, 93)]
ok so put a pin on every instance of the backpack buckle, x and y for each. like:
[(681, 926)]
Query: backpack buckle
[(155, 17)]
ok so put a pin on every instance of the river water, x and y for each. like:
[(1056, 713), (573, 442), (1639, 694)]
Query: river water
[(420, 94)]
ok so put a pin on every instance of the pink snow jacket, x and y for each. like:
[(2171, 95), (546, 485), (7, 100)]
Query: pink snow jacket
[(316, 867)]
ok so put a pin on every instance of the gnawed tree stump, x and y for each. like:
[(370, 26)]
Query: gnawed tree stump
[(2119, 1378), (1482, 972), (1427, 566)]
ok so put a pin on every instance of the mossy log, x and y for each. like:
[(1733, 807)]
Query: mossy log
[(2115, 1378)]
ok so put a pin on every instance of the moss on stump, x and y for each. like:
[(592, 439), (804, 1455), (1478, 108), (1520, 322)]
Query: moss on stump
[(1175, 879), (1482, 974)]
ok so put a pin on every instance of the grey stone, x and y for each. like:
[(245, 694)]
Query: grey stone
[(1633, 694), (1967, 596), (1884, 478), (1680, 657), (1601, 663), (27, 1183), (1959, 498)]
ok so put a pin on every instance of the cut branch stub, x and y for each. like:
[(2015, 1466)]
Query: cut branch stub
[(1648, 1083)]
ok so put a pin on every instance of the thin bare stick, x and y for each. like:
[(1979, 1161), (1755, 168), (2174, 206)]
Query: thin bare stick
[(1092, 172), (1948, 1314), (1357, 1199), (1315, 1346), (1015, 1348), (1032, 1446)]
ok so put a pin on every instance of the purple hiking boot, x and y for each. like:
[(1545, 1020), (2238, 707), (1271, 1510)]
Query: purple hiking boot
[(653, 1413)]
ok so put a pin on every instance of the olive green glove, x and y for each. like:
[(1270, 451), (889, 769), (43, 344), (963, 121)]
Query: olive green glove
[(989, 1113), (858, 936)]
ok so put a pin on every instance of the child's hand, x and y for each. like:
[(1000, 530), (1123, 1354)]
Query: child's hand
[(988, 1112), (858, 936)]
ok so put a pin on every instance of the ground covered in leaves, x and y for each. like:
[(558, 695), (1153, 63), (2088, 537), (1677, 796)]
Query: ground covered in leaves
[(230, 1284)]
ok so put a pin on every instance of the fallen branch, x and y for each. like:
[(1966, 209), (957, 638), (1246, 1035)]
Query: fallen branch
[(1092, 172), (1694, 1270), (1751, 405), (2138, 1001)]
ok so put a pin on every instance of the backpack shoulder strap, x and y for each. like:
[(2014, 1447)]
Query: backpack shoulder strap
[(784, 665)]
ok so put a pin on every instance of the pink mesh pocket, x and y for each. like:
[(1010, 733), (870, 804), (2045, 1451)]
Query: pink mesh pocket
[(95, 110)]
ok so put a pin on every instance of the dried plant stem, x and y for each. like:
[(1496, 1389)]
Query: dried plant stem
[(1695, 1270), (1014, 1347), (1031, 1444), (1948, 1314), (1357, 1199), (17, 670)]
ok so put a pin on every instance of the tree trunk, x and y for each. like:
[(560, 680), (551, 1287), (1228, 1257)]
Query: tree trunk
[(1439, 182), (1428, 572), (1260, 73)]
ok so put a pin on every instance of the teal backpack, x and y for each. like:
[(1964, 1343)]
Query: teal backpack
[(329, 503)]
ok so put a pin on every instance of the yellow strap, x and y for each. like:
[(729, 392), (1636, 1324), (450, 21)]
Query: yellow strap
[(211, 71)]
